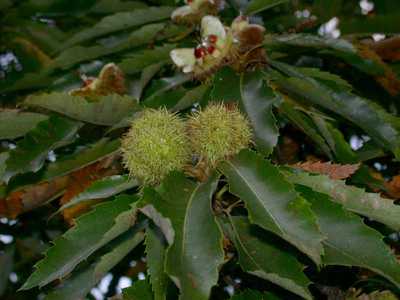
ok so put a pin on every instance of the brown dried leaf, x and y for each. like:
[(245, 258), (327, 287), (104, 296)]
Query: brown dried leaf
[(81, 179), (31, 197), (389, 80), (393, 187), (388, 49), (334, 171), (111, 80), (12, 206)]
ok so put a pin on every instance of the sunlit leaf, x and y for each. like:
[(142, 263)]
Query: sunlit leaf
[(357, 244), (108, 110), (103, 188), (156, 246), (31, 152), (14, 123), (195, 252), (120, 21), (352, 198), (257, 100), (272, 202), (80, 284), (92, 231), (255, 253)]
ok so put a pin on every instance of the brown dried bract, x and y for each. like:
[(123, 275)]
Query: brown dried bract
[(334, 171)]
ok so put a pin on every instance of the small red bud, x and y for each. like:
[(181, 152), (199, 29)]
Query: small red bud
[(212, 38), (210, 49), (199, 52)]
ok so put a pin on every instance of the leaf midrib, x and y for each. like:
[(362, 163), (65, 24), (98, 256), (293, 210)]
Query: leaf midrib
[(258, 197)]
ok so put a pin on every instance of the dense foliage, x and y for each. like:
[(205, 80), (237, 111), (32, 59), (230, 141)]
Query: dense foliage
[(213, 149)]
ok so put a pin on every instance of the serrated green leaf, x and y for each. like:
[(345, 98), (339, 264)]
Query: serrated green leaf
[(260, 257), (272, 202), (257, 6), (352, 198), (91, 232), (81, 159), (254, 295), (305, 124), (191, 97), (80, 284), (140, 290), (108, 110), (335, 140), (147, 74), (308, 41), (381, 126), (156, 246), (165, 90), (120, 21), (138, 61), (15, 123), (256, 100), (31, 152), (195, 251), (327, 77), (77, 54), (357, 244), (103, 188)]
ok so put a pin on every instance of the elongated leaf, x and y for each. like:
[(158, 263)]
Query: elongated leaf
[(191, 97), (140, 290), (352, 198), (108, 110), (138, 61), (77, 54), (305, 124), (383, 127), (103, 188), (335, 140), (31, 152), (256, 6), (357, 244), (272, 202), (156, 246), (257, 100), (81, 159), (195, 252), (80, 284), (262, 258), (14, 123), (148, 73), (121, 21), (162, 87), (309, 41), (92, 231)]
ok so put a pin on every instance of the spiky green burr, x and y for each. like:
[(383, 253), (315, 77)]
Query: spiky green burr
[(155, 145), (218, 132)]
